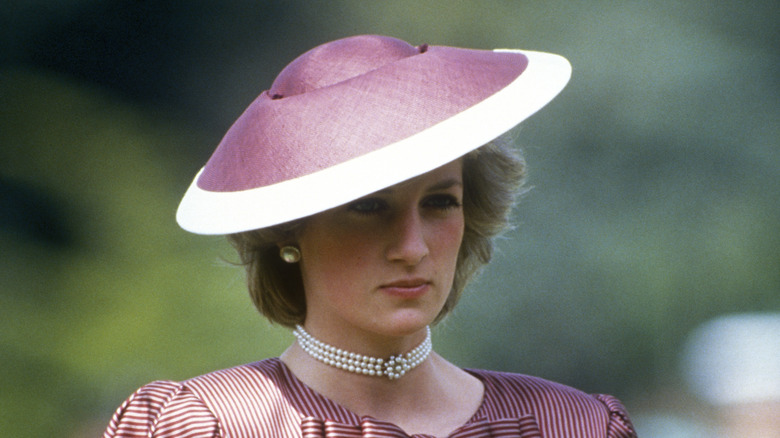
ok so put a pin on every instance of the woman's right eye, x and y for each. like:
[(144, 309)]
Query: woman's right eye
[(367, 205)]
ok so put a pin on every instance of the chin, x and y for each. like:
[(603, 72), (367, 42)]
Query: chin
[(408, 322)]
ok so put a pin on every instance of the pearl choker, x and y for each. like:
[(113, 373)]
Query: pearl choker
[(393, 367)]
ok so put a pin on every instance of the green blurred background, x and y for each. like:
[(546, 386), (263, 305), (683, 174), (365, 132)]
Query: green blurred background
[(655, 174)]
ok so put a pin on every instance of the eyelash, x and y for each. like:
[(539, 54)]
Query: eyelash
[(449, 202), (368, 206)]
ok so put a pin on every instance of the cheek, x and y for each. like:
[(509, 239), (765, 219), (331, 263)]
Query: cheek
[(341, 249), (451, 234), (330, 257), (446, 241)]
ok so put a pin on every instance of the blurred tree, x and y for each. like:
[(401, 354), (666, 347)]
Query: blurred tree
[(98, 282)]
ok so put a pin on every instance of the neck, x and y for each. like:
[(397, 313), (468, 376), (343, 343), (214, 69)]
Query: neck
[(335, 382), (392, 367), (436, 391), (341, 385)]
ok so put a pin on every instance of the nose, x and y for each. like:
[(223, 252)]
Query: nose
[(407, 238)]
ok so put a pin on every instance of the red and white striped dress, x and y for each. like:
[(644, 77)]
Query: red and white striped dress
[(264, 399)]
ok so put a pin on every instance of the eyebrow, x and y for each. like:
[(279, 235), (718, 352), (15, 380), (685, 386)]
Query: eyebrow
[(445, 184), (440, 185)]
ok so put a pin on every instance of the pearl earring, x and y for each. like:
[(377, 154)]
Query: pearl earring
[(290, 254)]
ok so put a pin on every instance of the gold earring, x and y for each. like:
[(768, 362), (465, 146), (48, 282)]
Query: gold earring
[(290, 254)]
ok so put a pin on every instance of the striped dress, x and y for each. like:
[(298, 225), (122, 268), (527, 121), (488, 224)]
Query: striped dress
[(264, 399)]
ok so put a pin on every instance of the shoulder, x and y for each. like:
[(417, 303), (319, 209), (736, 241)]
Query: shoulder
[(249, 400), (519, 391), (259, 377), (227, 402), (525, 387), (554, 405), (161, 409)]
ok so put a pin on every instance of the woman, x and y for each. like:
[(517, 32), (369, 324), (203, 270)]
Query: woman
[(362, 191)]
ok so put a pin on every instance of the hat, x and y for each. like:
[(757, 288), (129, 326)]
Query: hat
[(357, 115)]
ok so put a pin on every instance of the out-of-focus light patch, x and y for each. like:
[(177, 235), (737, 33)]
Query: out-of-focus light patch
[(735, 359), (666, 425)]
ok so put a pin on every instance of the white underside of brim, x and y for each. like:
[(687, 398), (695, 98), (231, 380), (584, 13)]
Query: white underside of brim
[(206, 212)]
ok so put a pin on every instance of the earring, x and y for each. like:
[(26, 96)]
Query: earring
[(290, 254)]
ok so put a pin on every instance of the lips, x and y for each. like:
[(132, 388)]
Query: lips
[(412, 282), (407, 288)]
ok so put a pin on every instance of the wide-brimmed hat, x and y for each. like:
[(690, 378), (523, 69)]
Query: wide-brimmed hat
[(357, 115)]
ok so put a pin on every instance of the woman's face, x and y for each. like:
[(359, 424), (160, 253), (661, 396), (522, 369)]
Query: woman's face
[(383, 265)]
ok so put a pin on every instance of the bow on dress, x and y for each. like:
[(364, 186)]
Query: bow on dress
[(523, 427)]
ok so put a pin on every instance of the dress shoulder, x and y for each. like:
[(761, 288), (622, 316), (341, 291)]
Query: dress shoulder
[(620, 424), (163, 409), (560, 410), (245, 401)]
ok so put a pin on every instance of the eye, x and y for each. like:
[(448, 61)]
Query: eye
[(441, 202), (368, 206)]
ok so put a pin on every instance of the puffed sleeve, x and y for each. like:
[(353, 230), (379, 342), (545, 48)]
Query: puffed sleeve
[(163, 409), (619, 424)]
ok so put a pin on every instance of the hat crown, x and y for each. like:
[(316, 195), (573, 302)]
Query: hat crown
[(338, 61)]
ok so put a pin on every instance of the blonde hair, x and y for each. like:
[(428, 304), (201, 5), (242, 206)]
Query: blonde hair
[(492, 178)]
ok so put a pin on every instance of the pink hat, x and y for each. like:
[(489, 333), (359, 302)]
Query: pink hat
[(357, 115)]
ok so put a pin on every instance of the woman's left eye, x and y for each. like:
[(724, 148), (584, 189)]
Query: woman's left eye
[(441, 202)]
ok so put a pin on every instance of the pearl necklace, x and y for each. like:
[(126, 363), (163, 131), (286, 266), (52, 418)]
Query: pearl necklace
[(393, 368)]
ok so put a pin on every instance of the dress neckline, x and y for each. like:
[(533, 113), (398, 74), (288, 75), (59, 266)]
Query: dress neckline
[(310, 403)]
